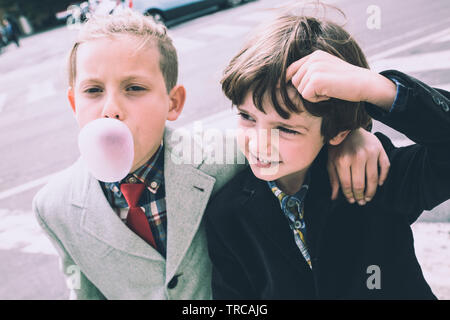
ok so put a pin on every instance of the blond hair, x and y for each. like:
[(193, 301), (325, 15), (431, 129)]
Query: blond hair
[(129, 23)]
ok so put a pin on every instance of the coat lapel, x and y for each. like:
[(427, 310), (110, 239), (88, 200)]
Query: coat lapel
[(187, 193), (100, 221), (266, 213)]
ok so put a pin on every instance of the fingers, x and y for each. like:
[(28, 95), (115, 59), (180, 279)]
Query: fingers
[(371, 178), (384, 164), (334, 180), (358, 173), (344, 174), (294, 67)]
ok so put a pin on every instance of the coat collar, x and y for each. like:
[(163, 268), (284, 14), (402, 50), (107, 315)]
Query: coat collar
[(187, 192)]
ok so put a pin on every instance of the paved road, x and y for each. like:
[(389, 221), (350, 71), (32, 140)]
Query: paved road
[(38, 133)]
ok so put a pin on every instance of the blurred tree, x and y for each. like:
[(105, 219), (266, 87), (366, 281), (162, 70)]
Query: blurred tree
[(41, 14)]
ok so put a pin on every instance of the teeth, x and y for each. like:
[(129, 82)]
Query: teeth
[(263, 161)]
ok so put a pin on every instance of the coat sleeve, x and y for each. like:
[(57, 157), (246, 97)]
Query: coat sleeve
[(419, 178), (78, 284)]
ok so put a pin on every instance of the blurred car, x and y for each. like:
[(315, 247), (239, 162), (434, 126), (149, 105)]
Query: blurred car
[(164, 11)]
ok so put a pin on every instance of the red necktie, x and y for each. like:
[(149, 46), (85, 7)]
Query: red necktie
[(136, 219)]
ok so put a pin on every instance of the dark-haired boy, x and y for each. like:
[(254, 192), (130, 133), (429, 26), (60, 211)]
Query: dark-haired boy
[(273, 231)]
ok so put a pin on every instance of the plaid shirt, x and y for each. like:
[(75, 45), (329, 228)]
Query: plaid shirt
[(152, 200), (293, 209)]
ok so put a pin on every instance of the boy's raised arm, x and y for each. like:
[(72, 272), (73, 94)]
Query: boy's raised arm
[(421, 177)]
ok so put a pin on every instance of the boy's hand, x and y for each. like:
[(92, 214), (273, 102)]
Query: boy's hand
[(320, 76), (360, 164)]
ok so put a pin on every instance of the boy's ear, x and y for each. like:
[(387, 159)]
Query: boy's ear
[(71, 97), (339, 138), (177, 98)]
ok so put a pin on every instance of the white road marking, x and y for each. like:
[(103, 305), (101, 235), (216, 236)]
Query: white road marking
[(20, 231), (412, 44), (443, 39), (39, 91), (2, 101), (414, 63), (24, 187), (436, 26)]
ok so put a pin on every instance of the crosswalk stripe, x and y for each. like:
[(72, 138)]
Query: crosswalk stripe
[(414, 63), (443, 39), (20, 231), (24, 187), (412, 44)]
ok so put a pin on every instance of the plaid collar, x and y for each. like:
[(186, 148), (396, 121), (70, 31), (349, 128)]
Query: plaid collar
[(151, 174)]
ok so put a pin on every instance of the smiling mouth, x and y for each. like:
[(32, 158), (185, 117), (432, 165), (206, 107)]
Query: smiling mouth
[(263, 162)]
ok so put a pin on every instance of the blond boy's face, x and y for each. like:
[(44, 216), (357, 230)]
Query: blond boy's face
[(115, 80), (278, 149)]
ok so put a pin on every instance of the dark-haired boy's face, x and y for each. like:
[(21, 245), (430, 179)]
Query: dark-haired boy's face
[(278, 149)]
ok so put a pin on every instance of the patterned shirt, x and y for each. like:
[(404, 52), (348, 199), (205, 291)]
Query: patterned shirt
[(152, 200), (293, 209)]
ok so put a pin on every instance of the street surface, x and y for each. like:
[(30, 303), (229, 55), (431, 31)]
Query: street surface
[(38, 133)]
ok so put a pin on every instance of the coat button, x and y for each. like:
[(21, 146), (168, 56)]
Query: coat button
[(132, 180), (441, 102), (173, 283)]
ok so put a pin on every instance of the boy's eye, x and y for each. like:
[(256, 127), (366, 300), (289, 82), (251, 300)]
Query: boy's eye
[(286, 130), (93, 90), (135, 88), (245, 116)]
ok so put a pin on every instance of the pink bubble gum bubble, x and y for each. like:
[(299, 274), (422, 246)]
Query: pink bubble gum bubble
[(107, 149)]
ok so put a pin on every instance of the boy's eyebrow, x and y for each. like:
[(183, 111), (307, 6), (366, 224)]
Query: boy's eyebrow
[(298, 126), (135, 77), (90, 80), (127, 79), (277, 123)]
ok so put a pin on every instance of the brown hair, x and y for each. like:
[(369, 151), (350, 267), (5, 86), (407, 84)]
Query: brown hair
[(134, 24), (260, 68)]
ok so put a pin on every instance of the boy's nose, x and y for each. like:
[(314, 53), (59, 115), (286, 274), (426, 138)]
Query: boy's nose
[(112, 109), (260, 143)]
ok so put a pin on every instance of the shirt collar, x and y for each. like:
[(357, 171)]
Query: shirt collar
[(151, 174), (284, 198)]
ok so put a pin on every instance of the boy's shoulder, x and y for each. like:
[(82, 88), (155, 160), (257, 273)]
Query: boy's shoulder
[(218, 158), (58, 193), (232, 196)]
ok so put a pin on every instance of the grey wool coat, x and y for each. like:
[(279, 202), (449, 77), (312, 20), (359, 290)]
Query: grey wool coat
[(105, 259)]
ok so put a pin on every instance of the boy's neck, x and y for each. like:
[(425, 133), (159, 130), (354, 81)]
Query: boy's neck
[(292, 183)]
